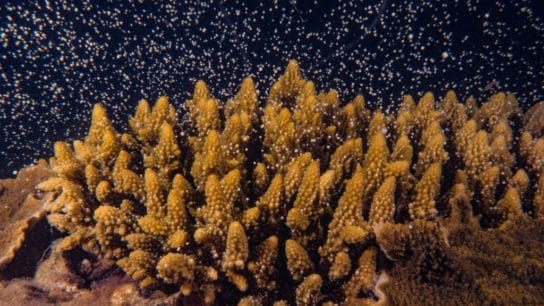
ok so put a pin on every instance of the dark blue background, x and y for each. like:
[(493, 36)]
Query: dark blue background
[(57, 60)]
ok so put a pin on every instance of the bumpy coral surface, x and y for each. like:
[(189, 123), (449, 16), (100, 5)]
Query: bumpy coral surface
[(307, 200)]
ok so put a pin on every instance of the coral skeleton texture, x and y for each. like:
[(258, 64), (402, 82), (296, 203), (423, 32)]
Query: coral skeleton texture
[(305, 200)]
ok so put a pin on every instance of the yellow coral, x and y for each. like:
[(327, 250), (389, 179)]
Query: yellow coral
[(177, 218), (263, 267), (510, 204), (288, 86), (154, 195), (208, 161), (216, 215), (499, 106), (520, 181), (347, 225), (260, 178), (270, 202), (128, 182), (304, 209), (538, 200), (355, 116), (146, 123), (345, 157), (403, 150), (64, 163), (425, 113), (383, 202), (164, 156), (295, 173), (426, 190), (235, 139), (244, 101), (476, 154), (377, 124), (465, 135), (298, 261), (488, 183), (174, 268), (205, 204), (235, 255), (103, 191), (308, 292), (100, 125), (280, 136), (139, 265), (501, 156), (374, 164), (433, 150), (362, 278), (309, 124), (340, 266)]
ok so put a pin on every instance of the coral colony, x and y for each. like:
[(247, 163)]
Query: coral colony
[(308, 200)]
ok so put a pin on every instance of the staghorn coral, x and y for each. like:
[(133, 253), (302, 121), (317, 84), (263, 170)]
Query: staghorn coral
[(303, 200)]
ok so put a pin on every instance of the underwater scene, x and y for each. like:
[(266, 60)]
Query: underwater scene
[(279, 152)]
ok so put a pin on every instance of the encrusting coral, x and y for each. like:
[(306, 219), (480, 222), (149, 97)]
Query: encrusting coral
[(241, 203)]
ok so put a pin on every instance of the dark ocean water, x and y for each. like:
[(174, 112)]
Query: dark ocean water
[(56, 60)]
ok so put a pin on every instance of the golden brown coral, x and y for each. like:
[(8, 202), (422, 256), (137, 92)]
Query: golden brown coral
[(207, 209), (298, 261), (263, 268), (217, 214), (374, 164), (538, 201), (347, 225), (236, 254), (146, 123), (363, 277), (270, 202), (425, 112), (280, 136), (288, 86), (175, 268), (340, 266), (533, 120), (345, 157), (355, 116), (434, 141), (308, 292), (244, 101), (139, 265), (426, 190), (383, 202), (210, 160), (305, 210)]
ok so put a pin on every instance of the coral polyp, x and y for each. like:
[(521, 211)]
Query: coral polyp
[(305, 200)]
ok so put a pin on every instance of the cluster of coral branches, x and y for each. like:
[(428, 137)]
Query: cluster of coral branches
[(284, 203)]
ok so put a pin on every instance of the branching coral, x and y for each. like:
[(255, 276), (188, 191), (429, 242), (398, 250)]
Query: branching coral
[(295, 201)]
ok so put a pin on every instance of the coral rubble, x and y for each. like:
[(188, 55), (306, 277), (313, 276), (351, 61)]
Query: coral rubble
[(305, 201)]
